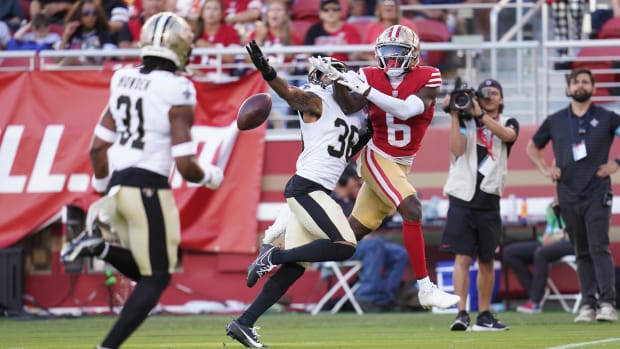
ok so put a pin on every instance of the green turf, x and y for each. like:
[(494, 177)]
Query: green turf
[(377, 331)]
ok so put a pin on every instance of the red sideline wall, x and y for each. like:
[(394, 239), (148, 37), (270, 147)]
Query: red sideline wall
[(220, 277)]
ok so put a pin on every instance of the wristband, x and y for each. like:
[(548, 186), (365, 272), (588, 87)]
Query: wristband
[(480, 116), (105, 134), (183, 149), (101, 184), (270, 75)]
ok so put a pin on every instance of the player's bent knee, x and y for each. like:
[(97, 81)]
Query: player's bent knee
[(411, 209), (358, 228)]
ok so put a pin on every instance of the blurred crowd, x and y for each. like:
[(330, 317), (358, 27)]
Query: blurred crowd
[(113, 24)]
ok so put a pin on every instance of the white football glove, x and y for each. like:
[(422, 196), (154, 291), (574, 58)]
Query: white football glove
[(213, 177), (325, 67), (355, 83)]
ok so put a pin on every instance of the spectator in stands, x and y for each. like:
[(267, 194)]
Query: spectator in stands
[(86, 27), (332, 30), (129, 35), (275, 29), (213, 32), (451, 18), (549, 247), (117, 12), (35, 35), (12, 13), (57, 10), (567, 15), (601, 16), (388, 13), (242, 15), (190, 10), (5, 35), (480, 143), (359, 12), (582, 136)]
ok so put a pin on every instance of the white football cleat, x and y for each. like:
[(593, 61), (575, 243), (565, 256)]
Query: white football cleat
[(434, 297)]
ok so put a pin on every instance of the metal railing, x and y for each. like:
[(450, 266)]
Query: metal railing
[(532, 90)]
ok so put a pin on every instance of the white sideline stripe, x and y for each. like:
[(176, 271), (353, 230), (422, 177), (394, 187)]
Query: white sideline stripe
[(583, 344)]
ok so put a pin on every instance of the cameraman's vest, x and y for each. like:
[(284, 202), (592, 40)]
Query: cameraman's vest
[(463, 172)]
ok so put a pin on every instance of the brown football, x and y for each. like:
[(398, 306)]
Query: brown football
[(254, 111)]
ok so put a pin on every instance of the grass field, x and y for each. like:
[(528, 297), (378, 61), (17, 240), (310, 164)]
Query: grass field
[(346, 330)]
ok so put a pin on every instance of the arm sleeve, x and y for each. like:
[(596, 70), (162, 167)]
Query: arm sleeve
[(402, 109)]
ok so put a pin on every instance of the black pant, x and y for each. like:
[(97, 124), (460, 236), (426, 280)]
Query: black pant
[(587, 223), (519, 255)]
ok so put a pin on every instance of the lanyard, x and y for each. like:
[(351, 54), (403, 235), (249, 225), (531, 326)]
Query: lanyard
[(583, 124), (485, 136)]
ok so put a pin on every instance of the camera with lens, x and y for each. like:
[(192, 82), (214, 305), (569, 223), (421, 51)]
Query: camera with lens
[(461, 99)]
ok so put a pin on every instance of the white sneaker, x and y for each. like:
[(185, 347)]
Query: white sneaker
[(607, 313), (586, 314), (434, 297)]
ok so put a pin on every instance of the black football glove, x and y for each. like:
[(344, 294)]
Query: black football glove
[(260, 62)]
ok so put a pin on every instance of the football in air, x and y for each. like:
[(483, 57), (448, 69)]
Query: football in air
[(254, 111)]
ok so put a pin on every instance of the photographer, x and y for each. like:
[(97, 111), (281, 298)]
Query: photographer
[(480, 140)]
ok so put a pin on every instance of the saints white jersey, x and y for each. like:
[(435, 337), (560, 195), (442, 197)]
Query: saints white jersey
[(327, 142), (139, 104)]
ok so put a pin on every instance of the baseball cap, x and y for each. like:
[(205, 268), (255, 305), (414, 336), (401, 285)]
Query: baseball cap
[(492, 83), (325, 2)]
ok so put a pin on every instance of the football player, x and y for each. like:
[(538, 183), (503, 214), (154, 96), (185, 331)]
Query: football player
[(400, 96), (317, 229), (146, 127)]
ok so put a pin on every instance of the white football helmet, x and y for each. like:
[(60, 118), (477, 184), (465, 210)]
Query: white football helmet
[(167, 35), (397, 50), (315, 76)]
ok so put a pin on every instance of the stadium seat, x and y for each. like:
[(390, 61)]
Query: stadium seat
[(309, 9), (600, 60), (553, 293), (362, 28), (611, 29), (301, 26), (57, 28), (432, 31), (342, 284)]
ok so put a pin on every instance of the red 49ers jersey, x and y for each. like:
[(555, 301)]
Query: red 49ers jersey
[(391, 135)]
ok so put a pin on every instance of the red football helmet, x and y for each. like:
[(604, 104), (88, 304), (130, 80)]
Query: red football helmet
[(397, 50)]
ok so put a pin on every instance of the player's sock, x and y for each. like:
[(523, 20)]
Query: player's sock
[(137, 307), (413, 240), (321, 250), (122, 260), (275, 287)]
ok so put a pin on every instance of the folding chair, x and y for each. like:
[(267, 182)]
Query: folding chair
[(342, 283), (553, 293)]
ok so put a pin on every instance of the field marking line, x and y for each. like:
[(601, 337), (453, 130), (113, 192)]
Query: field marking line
[(583, 344)]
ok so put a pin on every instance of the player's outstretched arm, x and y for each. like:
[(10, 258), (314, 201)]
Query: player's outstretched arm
[(348, 102), (307, 103)]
